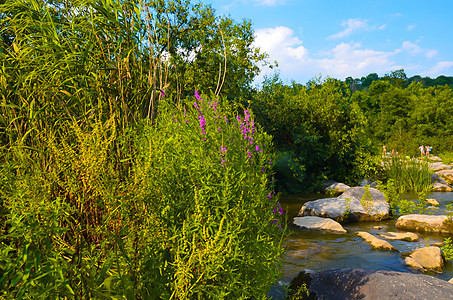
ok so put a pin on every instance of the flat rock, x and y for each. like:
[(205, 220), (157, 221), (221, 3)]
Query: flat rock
[(426, 259), (375, 242), (451, 281), (349, 206), (434, 158), (403, 236), (334, 284), (439, 166), (432, 202), (318, 223), (425, 223)]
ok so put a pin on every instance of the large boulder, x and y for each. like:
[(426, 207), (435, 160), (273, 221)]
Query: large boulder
[(351, 206), (375, 242), (426, 259), (333, 284), (318, 223), (425, 223)]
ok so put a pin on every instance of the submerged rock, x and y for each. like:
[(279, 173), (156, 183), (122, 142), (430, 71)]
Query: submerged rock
[(334, 284), (375, 242), (426, 259), (352, 205), (425, 223), (318, 223), (403, 236)]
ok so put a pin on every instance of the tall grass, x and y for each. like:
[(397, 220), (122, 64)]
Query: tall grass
[(108, 188), (408, 174)]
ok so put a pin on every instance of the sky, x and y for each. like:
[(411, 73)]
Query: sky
[(313, 38)]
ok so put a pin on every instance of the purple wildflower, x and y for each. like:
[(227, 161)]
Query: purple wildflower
[(197, 96), (202, 124)]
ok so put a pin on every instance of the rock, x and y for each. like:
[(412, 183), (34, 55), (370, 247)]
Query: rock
[(404, 236), (334, 284), (432, 202), (378, 227), (451, 281), (434, 158), (349, 206), (439, 166), (375, 242), (441, 187), (318, 223), (368, 182), (425, 223), (426, 259), (436, 178), (332, 187), (447, 175)]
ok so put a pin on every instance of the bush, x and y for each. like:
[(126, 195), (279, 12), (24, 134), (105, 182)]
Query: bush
[(183, 209)]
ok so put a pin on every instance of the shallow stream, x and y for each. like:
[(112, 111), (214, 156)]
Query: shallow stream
[(316, 250)]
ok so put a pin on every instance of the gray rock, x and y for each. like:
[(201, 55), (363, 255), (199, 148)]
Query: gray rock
[(348, 284), (425, 223), (439, 166), (447, 175), (318, 223), (436, 178), (334, 188), (349, 206), (441, 187), (426, 259)]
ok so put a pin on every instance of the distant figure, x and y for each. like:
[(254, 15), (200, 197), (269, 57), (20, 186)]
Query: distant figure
[(384, 150), (428, 150), (422, 150)]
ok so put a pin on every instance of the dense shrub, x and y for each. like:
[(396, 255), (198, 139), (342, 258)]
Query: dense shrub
[(193, 216)]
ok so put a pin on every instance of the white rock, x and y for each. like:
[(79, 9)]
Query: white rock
[(425, 223), (318, 223)]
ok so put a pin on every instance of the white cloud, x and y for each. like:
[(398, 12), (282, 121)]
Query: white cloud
[(269, 2), (345, 59), (414, 49), (351, 26), (296, 62), (440, 68), (431, 53), (411, 27)]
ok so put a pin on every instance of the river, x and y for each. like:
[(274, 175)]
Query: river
[(315, 250)]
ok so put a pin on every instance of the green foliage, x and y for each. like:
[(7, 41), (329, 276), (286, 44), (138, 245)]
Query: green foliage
[(319, 125), (108, 188), (179, 209), (447, 249), (367, 201), (447, 157), (408, 174)]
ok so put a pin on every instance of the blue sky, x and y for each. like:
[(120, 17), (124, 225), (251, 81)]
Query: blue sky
[(309, 38)]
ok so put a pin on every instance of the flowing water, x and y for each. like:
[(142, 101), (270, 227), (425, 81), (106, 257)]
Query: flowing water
[(316, 250)]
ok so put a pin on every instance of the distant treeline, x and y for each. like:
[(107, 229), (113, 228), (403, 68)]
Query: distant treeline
[(333, 129), (358, 84)]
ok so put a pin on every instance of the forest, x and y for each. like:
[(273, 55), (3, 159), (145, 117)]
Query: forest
[(138, 159)]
